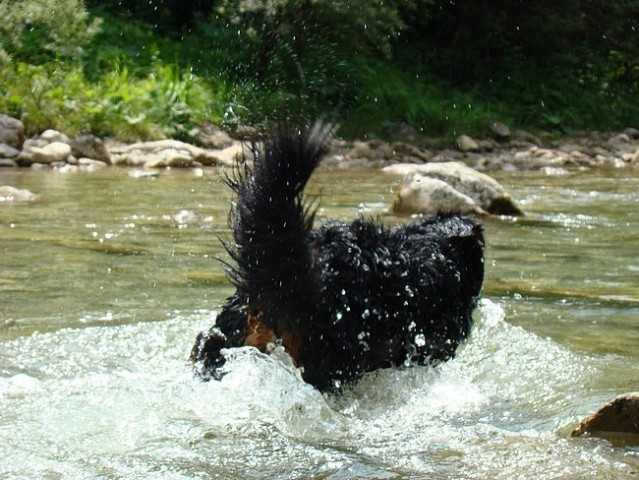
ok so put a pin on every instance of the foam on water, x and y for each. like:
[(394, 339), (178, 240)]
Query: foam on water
[(120, 402)]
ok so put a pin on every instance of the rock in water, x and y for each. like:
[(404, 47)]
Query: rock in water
[(11, 131), (12, 194), (619, 416), (415, 192)]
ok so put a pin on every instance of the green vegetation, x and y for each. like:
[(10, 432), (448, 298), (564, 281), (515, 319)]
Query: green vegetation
[(148, 69)]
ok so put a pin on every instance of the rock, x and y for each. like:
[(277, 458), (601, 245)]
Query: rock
[(245, 132), (500, 130), (410, 153), (632, 133), (619, 139), (90, 164), (51, 153), (11, 131), (620, 415), (174, 159), (213, 137), (155, 163), (12, 194), (422, 194), (467, 144), (132, 158), (51, 136), (168, 153), (371, 150), (8, 163), (90, 146), (447, 155), (527, 137), (228, 156), (488, 145), (484, 191), (7, 151)]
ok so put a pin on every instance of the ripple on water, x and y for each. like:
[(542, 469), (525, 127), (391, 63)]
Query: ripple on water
[(119, 401)]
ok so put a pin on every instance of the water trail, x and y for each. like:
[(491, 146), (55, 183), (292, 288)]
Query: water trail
[(120, 401)]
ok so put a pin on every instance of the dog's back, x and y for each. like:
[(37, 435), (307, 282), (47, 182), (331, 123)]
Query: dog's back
[(392, 297)]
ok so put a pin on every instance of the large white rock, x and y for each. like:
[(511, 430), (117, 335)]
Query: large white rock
[(51, 153), (422, 194), (485, 192)]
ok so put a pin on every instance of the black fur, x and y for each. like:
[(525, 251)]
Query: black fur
[(356, 297)]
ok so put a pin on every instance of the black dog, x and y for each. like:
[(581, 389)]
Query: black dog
[(342, 299)]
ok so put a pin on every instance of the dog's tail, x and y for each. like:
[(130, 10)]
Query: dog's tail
[(271, 224)]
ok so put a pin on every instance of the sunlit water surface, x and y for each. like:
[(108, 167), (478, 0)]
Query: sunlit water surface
[(105, 280)]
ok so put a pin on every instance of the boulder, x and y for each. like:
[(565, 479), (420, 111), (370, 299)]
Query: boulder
[(171, 159), (90, 146), (485, 192), (421, 194), (11, 131), (12, 194), (7, 151), (499, 130), (51, 136), (619, 416), (51, 153), (632, 133), (526, 137), (228, 156), (467, 144), (171, 153), (370, 150), (410, 153), (8, 163), (213, 137)]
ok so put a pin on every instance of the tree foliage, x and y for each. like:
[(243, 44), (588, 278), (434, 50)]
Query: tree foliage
[(310, 48), (441, 66), (40, 30)]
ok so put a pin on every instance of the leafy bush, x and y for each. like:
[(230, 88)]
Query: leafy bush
[(165, 103), (41, 30)]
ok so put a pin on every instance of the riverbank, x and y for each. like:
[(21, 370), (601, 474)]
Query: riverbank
[(504, 150)]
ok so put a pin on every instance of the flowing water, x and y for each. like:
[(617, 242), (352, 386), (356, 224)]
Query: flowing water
[(105, 280)]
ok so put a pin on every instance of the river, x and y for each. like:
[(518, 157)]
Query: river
[(106, 279)]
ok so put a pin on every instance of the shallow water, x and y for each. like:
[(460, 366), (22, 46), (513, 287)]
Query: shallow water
[(105, 280)]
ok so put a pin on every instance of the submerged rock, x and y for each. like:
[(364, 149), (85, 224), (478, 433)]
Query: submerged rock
[(12, 194), (458, 188), (619, 416)]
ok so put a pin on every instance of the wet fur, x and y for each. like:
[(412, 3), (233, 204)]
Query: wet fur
[(343, 299)]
